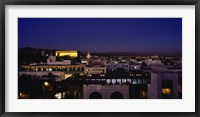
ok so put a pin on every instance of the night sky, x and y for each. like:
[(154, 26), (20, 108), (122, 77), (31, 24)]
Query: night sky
[(137, 35)]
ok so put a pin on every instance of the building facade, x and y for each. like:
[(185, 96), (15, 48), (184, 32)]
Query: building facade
[(95, 91), (71, 53), (94, 70), (164, 85), (63, 71)]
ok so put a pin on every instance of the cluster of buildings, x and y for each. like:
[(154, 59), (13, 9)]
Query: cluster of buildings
[(143, 77)]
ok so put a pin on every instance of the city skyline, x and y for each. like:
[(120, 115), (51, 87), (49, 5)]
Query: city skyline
[(133, 35)]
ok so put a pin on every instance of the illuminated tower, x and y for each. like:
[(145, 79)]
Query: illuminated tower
[(88, 55)]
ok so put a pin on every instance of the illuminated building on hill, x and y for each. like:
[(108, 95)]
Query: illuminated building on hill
[(71, 53)]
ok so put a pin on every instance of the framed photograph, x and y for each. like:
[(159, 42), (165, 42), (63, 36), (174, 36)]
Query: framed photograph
[(99, 58)]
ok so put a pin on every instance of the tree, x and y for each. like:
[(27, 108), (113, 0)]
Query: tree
[(31, 86), (51, 76), (143, 65)]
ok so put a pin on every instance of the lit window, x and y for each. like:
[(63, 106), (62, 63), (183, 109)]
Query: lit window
[(134, 81), (89, 75), (123, 80), (139, 81), (143, 94), (139, 74), (102, 75), (166, 91)]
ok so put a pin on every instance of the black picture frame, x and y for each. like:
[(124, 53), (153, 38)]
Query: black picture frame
[(3, 3)]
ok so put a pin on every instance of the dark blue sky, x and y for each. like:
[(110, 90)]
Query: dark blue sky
[(137, 35)]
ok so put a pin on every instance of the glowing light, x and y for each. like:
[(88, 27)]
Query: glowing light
[(102, 75), (58, 95), (89, 75), (46, 84), (143, 94), (166, 91)]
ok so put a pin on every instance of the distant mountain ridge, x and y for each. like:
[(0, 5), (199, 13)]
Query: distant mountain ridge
[(106, 53)]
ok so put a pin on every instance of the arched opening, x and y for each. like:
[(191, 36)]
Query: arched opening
[(95, 95), (116, 95)]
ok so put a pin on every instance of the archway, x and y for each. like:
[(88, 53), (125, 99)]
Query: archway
[(116, 95), (95, 95)]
